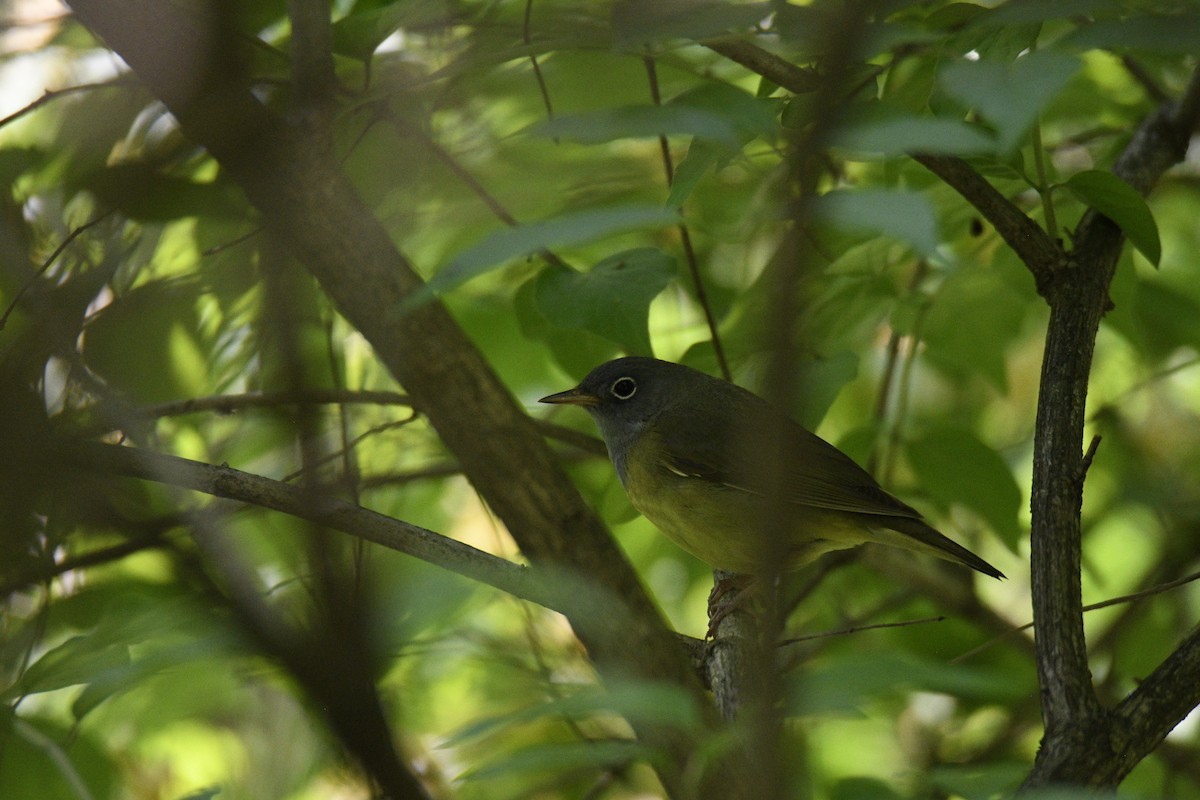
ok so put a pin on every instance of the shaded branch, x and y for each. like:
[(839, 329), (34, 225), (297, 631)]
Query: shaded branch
[(232, 484), (1081, 736), (779, 71)]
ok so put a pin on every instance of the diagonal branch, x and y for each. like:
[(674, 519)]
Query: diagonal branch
[(244, 487), (1042, 256), (1040, 253), (1161, 701)]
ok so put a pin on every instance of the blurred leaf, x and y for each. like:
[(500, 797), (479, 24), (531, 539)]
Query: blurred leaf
[(576, 228), (557, 758), (360, 32), (141, 192), (1017, 12), (612, 299), (1163, 34), (1120, 202), (77, 660), (953, 465), (637, 23), (749, 115), (847, 684), (202, 794), (145, 342), (902, 215), (37, 763), (996, 313), (1010, 95), (650, 703), (638, 122), (892, 134), (821, 380), (577, 351), (863, 789), (1166, 317), (994, 779), (701, 156)]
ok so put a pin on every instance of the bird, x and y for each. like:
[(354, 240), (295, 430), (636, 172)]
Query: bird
[(683, 444)]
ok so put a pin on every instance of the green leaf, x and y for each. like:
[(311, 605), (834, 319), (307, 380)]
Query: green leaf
[(996, 312), (1120, 202), (1009, 95), (902, 215), (653, 703), (889, 134), (702, 156), (1166, 318), (863, 789), (750, 116), (567, 230), (1169, 34), (359, 33), (77, 660), (848, 684), (556, 758), (635, 22), (611, 300), (954, 466), (1018, 12), (631, 122), (145, 342), (143, 193)]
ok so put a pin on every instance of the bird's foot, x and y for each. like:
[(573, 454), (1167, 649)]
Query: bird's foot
[(728, 595)]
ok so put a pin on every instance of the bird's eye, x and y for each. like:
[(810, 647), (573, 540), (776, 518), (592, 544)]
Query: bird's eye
[(623, 388)]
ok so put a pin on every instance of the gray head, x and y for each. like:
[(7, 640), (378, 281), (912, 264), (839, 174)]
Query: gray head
[(625, 394)]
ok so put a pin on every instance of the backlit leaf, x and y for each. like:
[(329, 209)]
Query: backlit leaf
[(1120, 202)]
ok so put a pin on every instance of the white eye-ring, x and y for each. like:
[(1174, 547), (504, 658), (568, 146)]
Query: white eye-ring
[(623, 388)]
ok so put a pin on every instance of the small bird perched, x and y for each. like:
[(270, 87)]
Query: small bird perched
[(678, 439)]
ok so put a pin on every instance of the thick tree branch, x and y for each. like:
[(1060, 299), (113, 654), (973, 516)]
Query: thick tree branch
[(296, 183), (1080, 733)]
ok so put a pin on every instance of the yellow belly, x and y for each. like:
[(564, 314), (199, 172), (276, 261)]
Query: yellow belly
[(721, 525)]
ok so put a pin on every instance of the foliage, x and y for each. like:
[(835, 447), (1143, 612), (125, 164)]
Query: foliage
[(577, 180)]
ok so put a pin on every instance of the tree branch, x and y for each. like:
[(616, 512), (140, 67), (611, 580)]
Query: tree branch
[(243, 487), (1161, 701), (1041, 255), (1079, 732), (779, 71)]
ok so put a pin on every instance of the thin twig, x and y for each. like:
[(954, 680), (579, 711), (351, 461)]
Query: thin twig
[(1113, 601), (54, 94), (1086, 463), (859, 628), (685, 235), (49, 261), (537, 69), (230, 403)]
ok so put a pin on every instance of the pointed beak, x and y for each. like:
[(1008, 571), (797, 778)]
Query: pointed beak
[(572, 397)]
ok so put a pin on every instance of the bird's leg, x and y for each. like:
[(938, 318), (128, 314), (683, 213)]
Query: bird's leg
[(728, 595)]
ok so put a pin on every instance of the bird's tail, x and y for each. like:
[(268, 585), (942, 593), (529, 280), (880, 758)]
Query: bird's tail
[(913, 534)]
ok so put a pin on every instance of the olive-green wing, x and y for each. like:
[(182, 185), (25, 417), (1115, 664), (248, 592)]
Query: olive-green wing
[(701, 444)]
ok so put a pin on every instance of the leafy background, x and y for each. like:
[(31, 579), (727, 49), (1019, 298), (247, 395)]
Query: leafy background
[(554, 237)]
